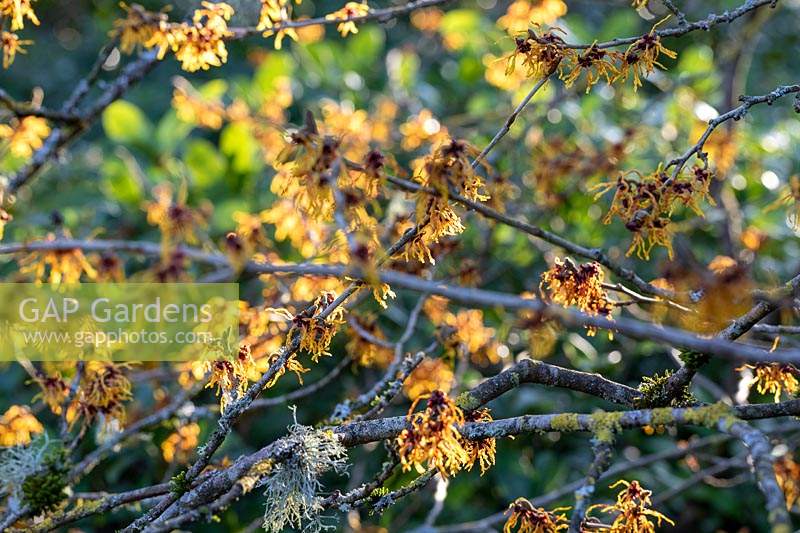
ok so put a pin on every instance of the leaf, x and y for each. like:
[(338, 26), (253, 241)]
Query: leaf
[(119, 182), (206, 164), (125, 123), (238, 144)]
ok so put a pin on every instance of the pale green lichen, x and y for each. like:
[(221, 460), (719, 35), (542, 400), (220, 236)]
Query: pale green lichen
[(710, 416), (467, 401), (34, 475), (661, 416), (292, 486), (605, 425), (565, 422)]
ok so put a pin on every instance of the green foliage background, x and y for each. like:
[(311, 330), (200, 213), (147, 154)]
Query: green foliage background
[(103, 180)]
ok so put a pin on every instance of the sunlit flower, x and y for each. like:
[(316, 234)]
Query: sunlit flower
[(422, 128), (633, 511), (54, 391), (433, 439), (428, 20), (180, 444), (11, 45), (230, 376), (787, 474), (176, 220), (364, 352), (276, 13), (430, 375), (641, 58), (316, 332), (596, 63), (24, 136), (17, 425), (776, 378), (525, 518), (521, 14), (647, 203), (541, 54), (351, 10), (57, 267), (17, 11), (202, 44), (470, 333), (194, 108), (481, 451), (580, 285), (138, 28)]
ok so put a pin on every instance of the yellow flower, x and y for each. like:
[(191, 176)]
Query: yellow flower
[(641, 58), (541, 54), (276, 13), (305, 234), (230, 376), (25, 136), (17, 425), (12, 45), (596, 63), (17, 11), (364, 352), (57, 267), (433, 438), (422, 128), (180, 444), (176, 220), (775, 378), (529, 519), (351, 10), (633, 510), (647, 203), (522, 13), (54, 392), (193, 108), (138, 28), (430, 375), (580, 285), (202, 44), (481, 451), (316, 332), (787, 473), (103, 390)]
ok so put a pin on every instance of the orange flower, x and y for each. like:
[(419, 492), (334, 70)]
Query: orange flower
[(529, 519), (350, 10), (433, 438), (17, 425)]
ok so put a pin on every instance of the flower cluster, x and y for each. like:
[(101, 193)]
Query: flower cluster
[(230, 376), (17, 425), (430, 375), (481, 451), (179, 445), (646, 203), (24, 136), (363, 351), (351, 10), (448, 170), (787, 474), (316, 331), (525, 518), (569, 284), (276, 13), (16, 11), (544, 53), (433, 438), (198, 44), (102, 392), (57, 267), (177, 221), (633, 511), (776, 378)]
